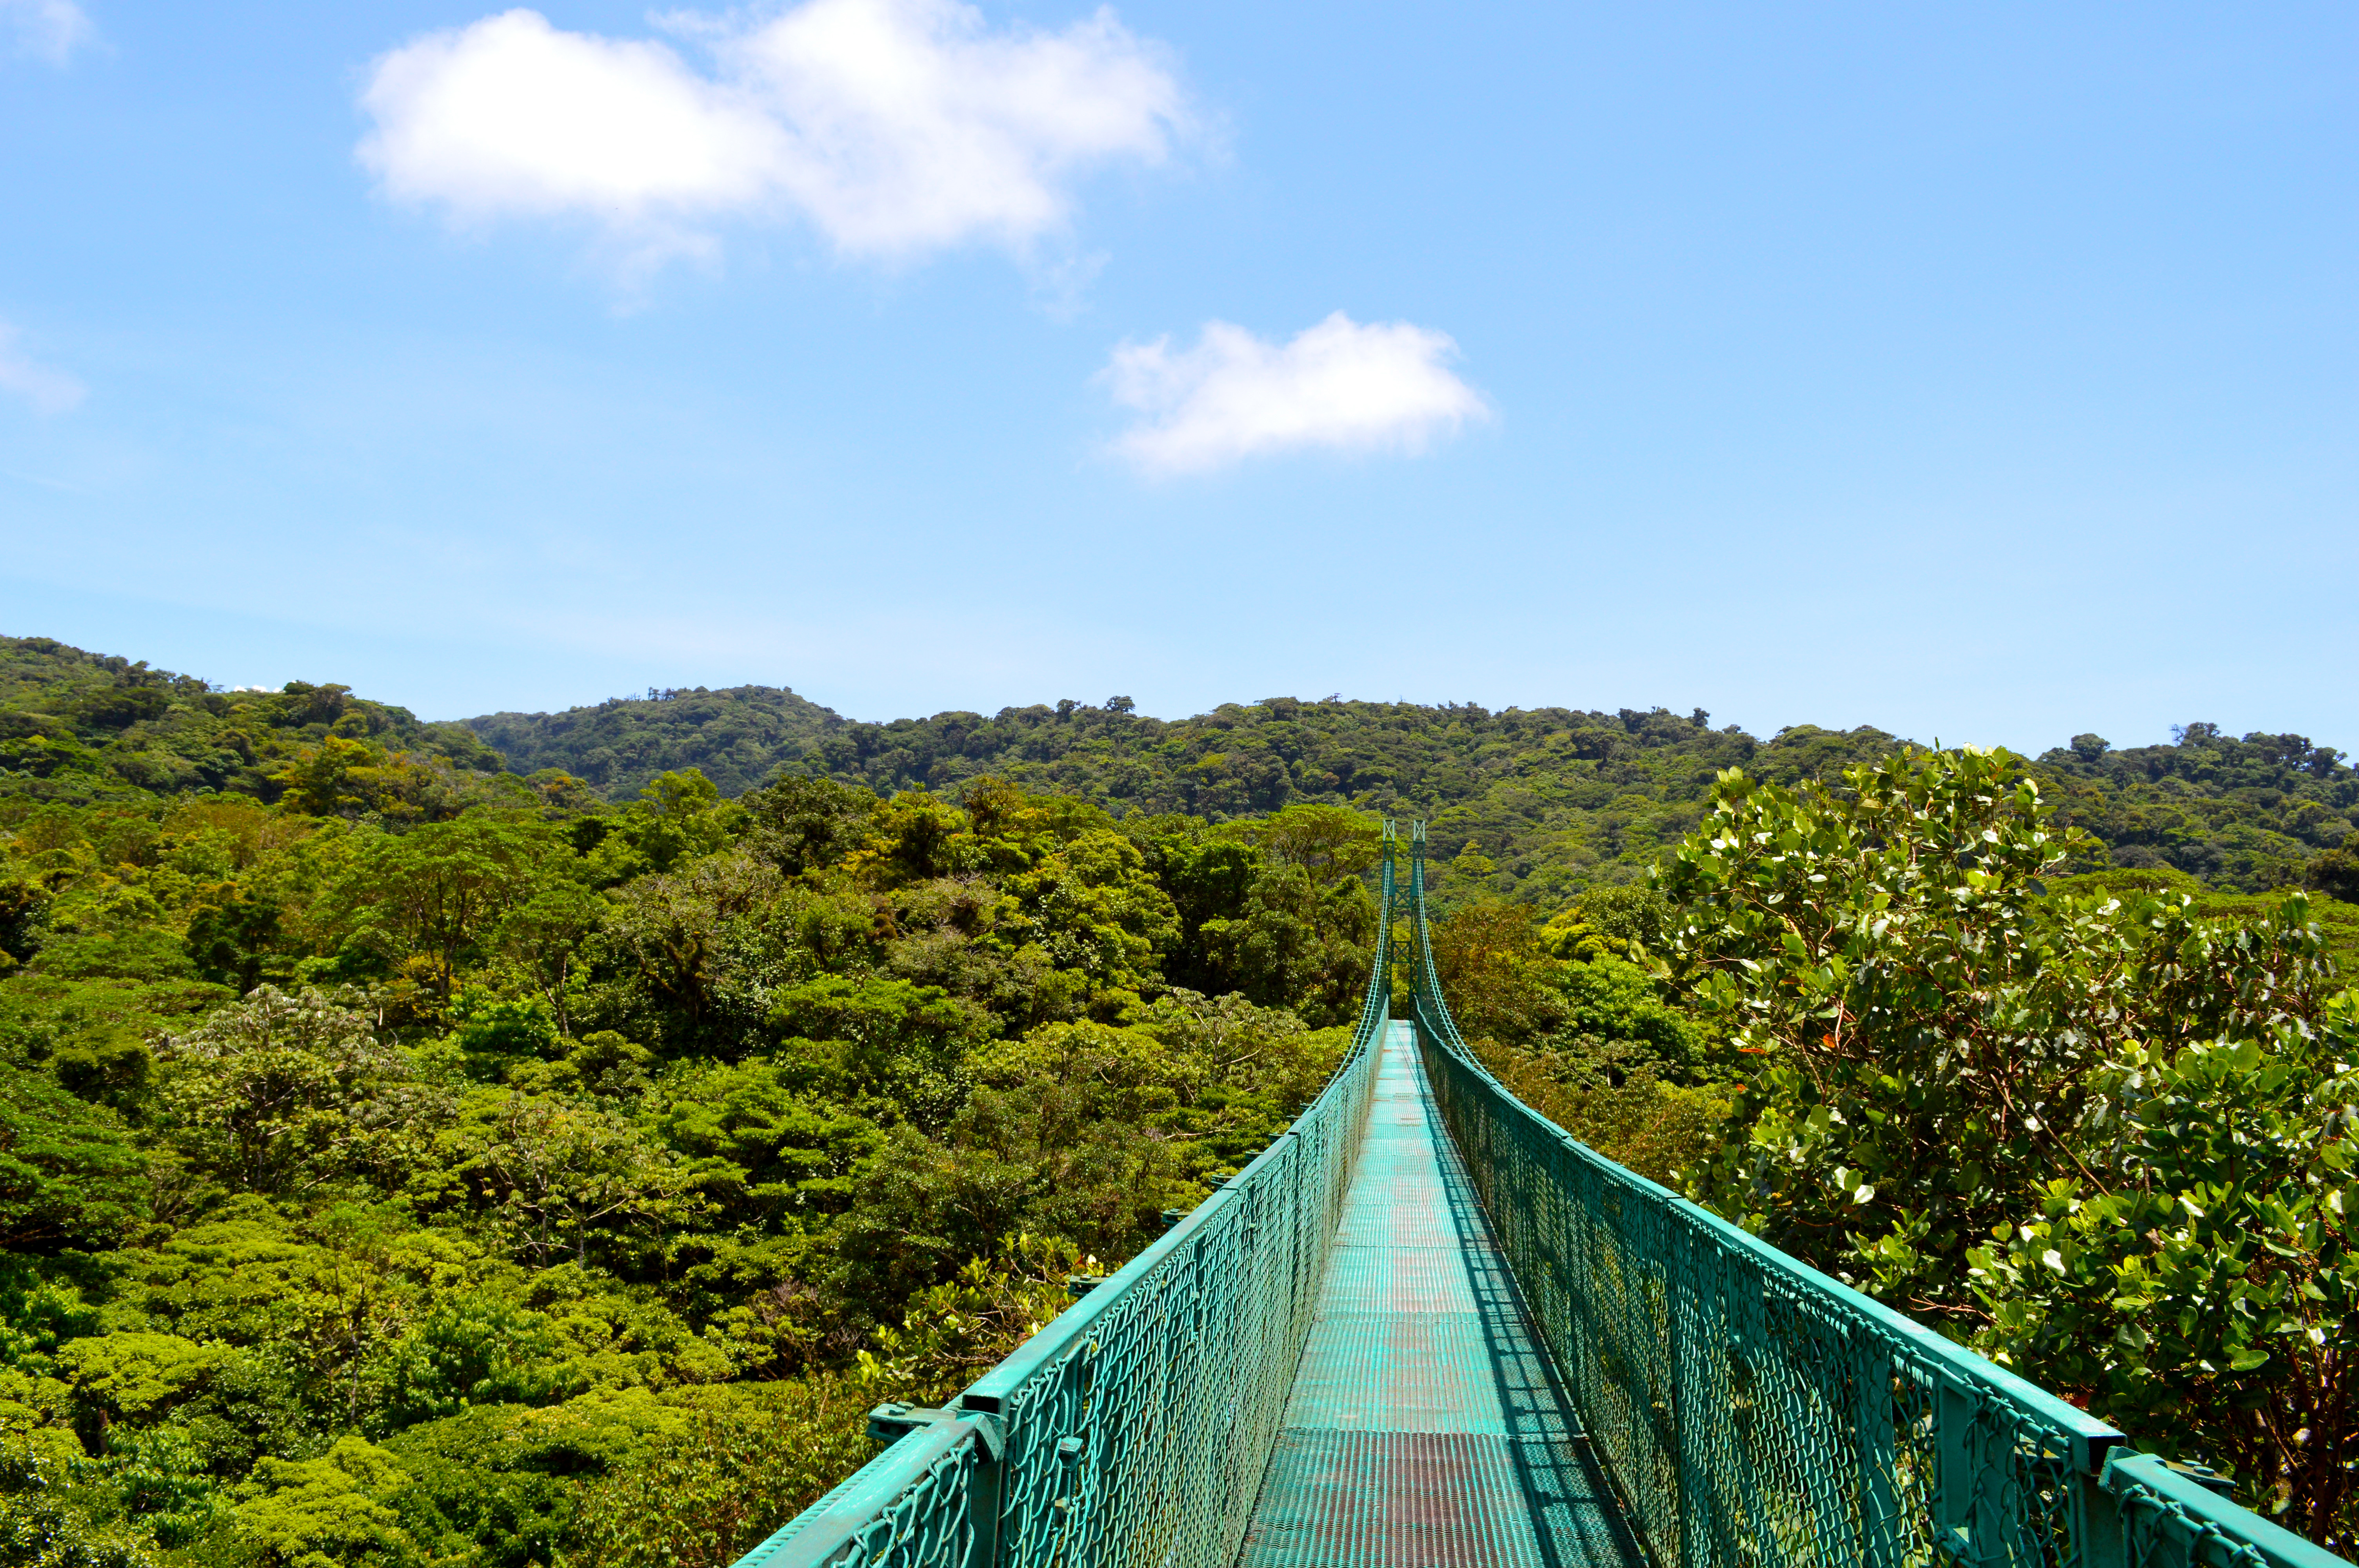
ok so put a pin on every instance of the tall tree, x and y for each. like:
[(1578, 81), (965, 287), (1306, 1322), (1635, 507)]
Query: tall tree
[(439, 890)]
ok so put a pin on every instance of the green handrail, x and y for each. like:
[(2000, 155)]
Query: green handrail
[(1135, 1428), (1756, 1413)]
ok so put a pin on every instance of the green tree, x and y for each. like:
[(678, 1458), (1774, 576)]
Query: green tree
[(768, 1144), (333, 1511), (679, 817), (1327, 841), (70, 1177), (476, 1347), (1923, 1017), (1295, 943), (807, 824), (281, 1092), (1582, 1035), (494, 1034), (233, 935), (352, 1306), (24, 901), (134, 1375), (2199, 1287), (161, 1482), (683, 939), (914, 838), (1092, 907), (547, 936), (1066, 1134), (707, 1498), (39, 1526), (2336, 872), (552, 1175), (953, 1333), (900, 1047), (1208, 877), (439, 890), (348, 776), (1945, 1056)]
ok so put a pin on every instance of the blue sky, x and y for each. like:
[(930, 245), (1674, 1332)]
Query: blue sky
[(1985, 374)]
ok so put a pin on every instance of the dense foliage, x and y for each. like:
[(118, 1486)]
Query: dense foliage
[(2267, 811), (406, 1162), (1542, 802), (408, 1158), (77, 726), (2102, 1137), (736, 738)]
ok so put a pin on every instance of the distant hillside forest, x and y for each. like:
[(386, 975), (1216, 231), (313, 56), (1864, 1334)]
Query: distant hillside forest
[(535, 1143), (1552, 798)]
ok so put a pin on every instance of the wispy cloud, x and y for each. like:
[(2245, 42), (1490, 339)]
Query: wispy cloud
[(46, 29), (50, 391), (1340, 386), (895, 127)]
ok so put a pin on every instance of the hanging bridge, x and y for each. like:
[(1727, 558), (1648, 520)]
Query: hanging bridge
[(1428, 1328)]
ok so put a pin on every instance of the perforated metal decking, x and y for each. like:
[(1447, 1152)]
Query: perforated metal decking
[(1426, 1428)]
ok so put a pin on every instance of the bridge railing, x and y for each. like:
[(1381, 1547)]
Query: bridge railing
[(1135, 1428), (1756, 1413)]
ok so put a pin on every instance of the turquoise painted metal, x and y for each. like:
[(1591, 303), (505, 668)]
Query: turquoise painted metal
[(1427, 1426), (1427, 1326)]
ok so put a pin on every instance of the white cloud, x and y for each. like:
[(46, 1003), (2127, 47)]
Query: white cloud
[(50, 391), (46, 29), (894, 127), (1338, 384)]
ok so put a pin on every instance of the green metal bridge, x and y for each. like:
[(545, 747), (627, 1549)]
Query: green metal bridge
[(1428, 1328)]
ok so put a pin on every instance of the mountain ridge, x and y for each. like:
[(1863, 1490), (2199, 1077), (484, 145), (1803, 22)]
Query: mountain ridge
[(1535, 803)]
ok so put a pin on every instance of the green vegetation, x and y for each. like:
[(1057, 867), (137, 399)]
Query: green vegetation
[(736, 738), (406, 1159), (2097, 1126), (1532, 804), (2101, 1136), (2267, 811), (79, 728)]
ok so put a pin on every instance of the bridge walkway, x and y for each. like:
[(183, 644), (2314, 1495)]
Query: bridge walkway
[(1426, 1428)]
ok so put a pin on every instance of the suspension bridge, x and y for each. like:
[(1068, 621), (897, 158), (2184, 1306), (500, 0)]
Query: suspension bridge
[(1428, 1328)]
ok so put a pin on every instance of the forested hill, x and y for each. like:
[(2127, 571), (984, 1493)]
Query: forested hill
[(1531, 803), (735, 737), (81, 727), (1549, 799)]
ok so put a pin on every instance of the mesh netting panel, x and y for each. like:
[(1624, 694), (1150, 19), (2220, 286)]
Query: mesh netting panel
[(1145, 1442)]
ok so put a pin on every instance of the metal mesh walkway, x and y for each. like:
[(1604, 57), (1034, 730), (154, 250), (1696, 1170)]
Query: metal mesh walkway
[(1426, 1428)]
